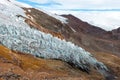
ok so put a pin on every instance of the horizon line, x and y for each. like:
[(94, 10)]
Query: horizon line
[(88, 9)]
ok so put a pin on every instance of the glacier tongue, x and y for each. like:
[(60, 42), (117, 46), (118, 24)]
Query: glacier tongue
[(31, 41)]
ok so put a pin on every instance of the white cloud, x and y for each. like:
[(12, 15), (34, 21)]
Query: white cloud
[(106, 20), (72, 4), (39, 1)]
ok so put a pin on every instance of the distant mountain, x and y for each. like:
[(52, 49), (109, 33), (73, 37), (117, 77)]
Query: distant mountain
[(96, 38)]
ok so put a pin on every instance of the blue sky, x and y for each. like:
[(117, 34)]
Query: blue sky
[(75, 5), (37, 4)]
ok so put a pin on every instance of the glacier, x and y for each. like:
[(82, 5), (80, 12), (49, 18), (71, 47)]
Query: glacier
[(17, 35), (28, 40)]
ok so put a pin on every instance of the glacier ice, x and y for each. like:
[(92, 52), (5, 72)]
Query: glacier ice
[(39, 44)]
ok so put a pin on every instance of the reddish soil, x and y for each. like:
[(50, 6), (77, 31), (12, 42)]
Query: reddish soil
[(19, 66)]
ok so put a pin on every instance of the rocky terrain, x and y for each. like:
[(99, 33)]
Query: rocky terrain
[(94, 37)]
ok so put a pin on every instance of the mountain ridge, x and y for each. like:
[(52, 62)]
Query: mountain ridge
[(77, 31)]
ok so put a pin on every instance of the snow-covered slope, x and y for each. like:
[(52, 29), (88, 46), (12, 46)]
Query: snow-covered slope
[(60, 18), (9, 12), (17, 35)]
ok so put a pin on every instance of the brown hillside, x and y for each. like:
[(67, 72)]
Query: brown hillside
[(93, 37), (19, 66)]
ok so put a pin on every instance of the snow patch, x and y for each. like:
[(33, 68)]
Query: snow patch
[(60, 18), (29, 10), (73, 29)]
